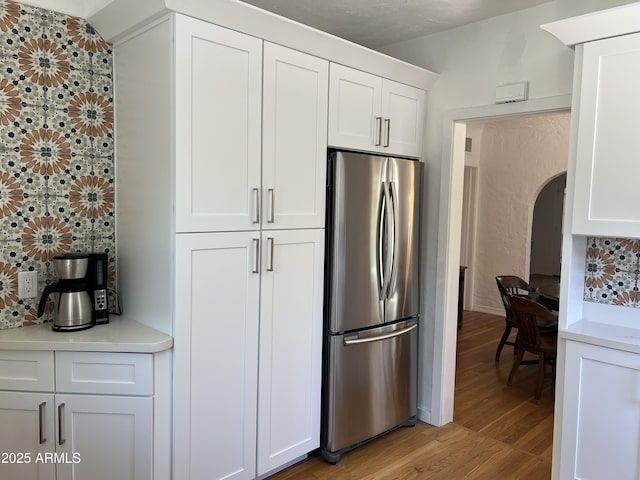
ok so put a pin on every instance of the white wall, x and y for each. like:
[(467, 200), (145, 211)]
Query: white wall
[(519, 155), (472, 61), (78, 8)]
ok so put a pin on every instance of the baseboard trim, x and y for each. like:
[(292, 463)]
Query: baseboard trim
[(487, 309)]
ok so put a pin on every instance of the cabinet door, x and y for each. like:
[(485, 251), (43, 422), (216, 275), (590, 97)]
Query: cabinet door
[(104, 437), (216, 355), (600, 413), (27, 435), (355, 119), (290, 346), (218, 82), (403, 119), (294, 138), (607, 169)]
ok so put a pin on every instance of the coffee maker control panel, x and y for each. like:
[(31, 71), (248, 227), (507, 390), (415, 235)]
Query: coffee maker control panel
[(100, 299)]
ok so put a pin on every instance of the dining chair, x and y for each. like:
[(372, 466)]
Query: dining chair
[(528, 316), (509, 285)]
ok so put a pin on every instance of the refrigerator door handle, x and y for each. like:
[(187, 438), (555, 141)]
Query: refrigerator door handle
[(390, 244), (382, 244), (354, 340), (393, 240)]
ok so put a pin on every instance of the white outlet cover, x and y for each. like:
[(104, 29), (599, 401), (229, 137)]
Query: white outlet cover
[(27, 284)]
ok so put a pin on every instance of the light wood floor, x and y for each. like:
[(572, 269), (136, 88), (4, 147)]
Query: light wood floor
[(497, 433)]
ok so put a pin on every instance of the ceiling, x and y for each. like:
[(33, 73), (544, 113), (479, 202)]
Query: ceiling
[(375, 23)]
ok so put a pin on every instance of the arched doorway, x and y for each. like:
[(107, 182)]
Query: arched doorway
[(546, 232)]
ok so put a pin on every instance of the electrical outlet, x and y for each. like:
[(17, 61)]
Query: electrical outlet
[(27, 284)]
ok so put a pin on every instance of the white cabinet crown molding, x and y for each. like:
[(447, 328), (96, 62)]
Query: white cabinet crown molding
[(596, 25), (122, 16)]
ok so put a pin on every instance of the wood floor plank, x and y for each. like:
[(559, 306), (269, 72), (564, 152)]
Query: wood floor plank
[(498, 432)]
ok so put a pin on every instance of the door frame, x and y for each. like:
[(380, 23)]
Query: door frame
[(448, 248)]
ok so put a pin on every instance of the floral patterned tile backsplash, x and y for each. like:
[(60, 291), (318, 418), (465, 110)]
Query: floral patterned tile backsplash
[(56, 149), (612, 271)]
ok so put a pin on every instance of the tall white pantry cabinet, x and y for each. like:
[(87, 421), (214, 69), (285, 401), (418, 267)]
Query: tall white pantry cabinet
[(597, 411), (221, 185)]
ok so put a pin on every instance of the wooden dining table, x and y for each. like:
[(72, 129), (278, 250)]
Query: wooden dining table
[(549, 295)]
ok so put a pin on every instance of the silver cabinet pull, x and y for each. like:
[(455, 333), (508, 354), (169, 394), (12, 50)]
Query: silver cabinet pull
[(379, 131), (256, 205), (271, 205), (41, 421), (387, 125), (256, 256), (61, 439), (270, 258)]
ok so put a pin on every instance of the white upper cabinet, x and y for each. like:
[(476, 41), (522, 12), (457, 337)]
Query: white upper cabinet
[(355, 104), (218, 85), (607, 169), (294, 148), (370, 113), (403, 119)]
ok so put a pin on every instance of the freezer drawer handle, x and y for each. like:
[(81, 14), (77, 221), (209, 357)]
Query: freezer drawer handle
[(355, 341)]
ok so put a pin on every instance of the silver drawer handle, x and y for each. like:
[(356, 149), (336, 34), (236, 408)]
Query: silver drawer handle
[(355, 340)]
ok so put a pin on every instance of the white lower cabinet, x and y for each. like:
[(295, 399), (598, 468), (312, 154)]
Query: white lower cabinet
[(66, 436), (28, 434), (247, 347), (290, 346), (104, 437), (600, 413)]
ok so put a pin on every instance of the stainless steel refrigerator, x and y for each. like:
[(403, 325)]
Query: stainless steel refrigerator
[(372, 298)]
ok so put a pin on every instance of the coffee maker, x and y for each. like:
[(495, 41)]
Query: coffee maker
[(73, 308), (97, 284), (80, 293)]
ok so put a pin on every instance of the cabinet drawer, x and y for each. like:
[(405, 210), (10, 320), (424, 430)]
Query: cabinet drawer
[(104, 373), (26, 370)]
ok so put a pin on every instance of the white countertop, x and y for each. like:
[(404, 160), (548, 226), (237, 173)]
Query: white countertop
[(604, 335), (119, 335)]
